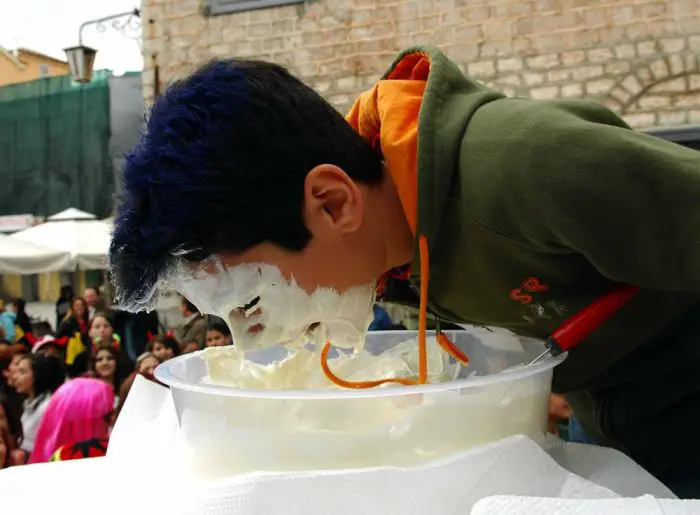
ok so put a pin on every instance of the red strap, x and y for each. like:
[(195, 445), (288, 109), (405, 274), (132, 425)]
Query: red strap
[(582, 324)]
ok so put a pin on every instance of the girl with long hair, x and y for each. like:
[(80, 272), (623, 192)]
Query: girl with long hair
[(10, 356), (108, 365), (37, 377)]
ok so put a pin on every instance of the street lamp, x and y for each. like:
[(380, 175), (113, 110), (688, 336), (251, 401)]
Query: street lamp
[(81, 58)]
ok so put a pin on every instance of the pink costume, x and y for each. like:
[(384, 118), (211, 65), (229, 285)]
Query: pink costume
[(77, 411)]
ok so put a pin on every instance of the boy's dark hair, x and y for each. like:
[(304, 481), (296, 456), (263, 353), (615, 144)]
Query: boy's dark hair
[(221, 168)]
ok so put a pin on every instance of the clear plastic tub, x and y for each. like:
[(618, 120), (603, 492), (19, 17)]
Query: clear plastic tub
[(229, 430)]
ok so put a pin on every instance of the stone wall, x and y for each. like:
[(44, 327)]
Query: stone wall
[(637, 56)]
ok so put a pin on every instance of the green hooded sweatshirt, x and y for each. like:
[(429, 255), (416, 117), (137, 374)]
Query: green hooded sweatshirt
[(534, 209)]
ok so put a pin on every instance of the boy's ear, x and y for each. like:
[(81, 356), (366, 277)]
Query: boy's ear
[(332, 199)]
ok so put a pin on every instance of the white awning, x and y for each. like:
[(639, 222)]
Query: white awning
[(21, 257), (85, 239)]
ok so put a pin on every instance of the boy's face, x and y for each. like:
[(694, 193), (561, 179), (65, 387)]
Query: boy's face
[(346, 253)]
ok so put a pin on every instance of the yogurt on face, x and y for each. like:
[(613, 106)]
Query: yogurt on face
[(265, 309)]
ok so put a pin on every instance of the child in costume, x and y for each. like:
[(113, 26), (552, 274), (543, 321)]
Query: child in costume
[(76, 422)]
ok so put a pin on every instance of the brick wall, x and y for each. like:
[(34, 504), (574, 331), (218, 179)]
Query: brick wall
[(637, 56)]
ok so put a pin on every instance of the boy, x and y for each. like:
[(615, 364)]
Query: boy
[(528, 211)]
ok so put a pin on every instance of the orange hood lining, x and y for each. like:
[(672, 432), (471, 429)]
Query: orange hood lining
[(387, 116)]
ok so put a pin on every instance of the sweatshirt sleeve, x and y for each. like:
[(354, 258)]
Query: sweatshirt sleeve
[(580, 180)]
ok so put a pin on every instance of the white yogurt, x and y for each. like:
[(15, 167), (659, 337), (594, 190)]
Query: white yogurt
[(301, 368)]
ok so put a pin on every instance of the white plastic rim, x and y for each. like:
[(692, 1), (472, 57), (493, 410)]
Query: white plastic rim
[(164, 373)]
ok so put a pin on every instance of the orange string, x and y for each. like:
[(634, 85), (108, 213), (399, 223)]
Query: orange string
[(442, 339), (356, 384), (423, 310), (451, 349)]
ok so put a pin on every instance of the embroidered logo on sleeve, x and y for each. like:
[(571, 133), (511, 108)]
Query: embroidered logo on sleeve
[(527, 295)]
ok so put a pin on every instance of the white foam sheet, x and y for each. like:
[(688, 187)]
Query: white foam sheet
[(604, 466), (448, 486), (515, 465), (645, 505)]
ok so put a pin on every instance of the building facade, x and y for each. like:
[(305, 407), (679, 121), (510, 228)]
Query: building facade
[(639, 57), (24, 65)]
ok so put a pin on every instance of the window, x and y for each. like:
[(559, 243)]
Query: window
[(214, 7), (43, 70), (688, 136)]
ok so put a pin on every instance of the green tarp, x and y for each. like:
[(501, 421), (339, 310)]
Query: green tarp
[(54, 141)]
